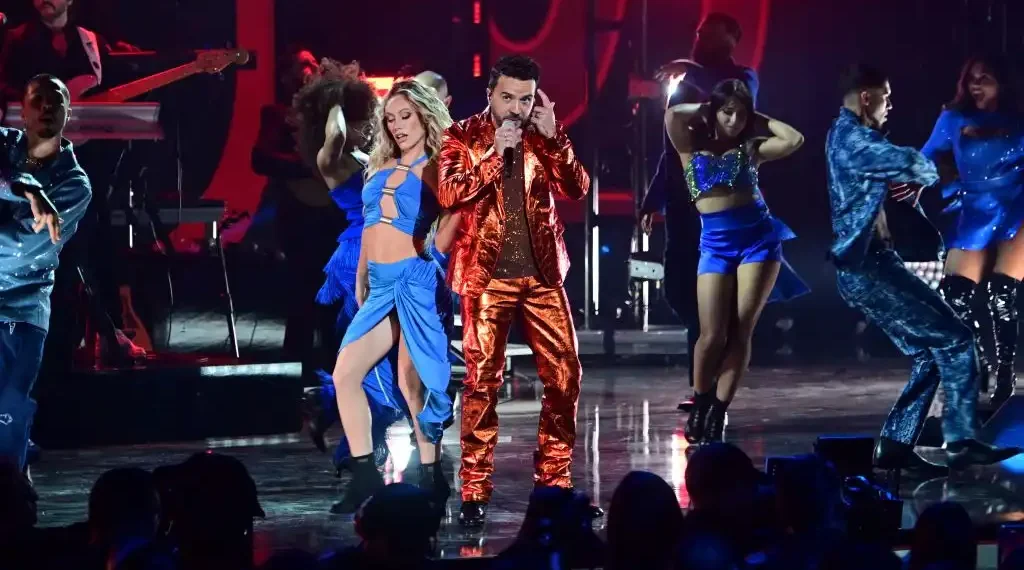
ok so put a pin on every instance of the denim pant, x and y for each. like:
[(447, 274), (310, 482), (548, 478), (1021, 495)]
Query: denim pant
[(923, 326), (21, 353)]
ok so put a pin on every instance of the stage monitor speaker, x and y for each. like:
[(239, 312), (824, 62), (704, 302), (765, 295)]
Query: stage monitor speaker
[(1006, 427), (850, 454)]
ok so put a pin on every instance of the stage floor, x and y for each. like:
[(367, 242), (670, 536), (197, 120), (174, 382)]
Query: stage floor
[(627, 421)]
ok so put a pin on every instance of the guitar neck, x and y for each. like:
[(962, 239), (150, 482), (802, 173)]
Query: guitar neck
[(131, 90)]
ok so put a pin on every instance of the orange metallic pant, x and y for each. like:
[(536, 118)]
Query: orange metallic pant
[(547, 323)]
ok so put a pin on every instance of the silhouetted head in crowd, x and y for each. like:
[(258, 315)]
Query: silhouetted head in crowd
[(850, 555), (719, 476), (290, 559), (644, 522), (809, 495), (706, 551), (123, 502), (557, 521), (398, 526), (17, 500), (943, 533), (214, 503)]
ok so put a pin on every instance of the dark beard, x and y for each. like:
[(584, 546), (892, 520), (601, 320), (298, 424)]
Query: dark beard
[(709, 56)]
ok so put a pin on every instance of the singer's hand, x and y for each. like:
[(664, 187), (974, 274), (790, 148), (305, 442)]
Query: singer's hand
[(507, 136), (543, 116)]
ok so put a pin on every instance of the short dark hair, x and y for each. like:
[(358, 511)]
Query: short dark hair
[(45, 79), (520, 67), (1005, 74), (732, 27), (860, 76)]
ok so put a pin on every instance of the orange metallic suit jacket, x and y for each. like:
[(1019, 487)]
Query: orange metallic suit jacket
[(470, 173)]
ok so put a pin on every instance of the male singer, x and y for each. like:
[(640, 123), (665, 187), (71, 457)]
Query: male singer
[(504, 167)]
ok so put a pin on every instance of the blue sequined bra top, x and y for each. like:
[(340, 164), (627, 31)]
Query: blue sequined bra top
[(734, 169), (415, 203)]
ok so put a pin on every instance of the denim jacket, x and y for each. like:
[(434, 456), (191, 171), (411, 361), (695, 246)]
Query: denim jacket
[(861, 164), (28, 259)]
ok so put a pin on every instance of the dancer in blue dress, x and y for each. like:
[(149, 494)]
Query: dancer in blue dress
[(983, 130), (741, 265), (340, 272), (343, 173), (398, 287)]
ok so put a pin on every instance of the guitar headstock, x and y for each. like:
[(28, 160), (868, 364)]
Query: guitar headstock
[(215, 60)]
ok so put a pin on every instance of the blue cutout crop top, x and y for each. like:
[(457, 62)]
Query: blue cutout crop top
[(416, 204), (734, 169)]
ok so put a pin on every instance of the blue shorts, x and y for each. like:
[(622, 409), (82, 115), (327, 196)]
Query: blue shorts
[(733, 237), (748, 234)]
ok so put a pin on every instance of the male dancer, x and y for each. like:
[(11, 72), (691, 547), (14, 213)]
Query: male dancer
[(53, 44), (863, 168), (712, 63), (505, 166), (41, 188)]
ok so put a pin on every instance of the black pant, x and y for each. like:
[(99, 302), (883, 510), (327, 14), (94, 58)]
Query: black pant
[(307, 236), (681, 258)]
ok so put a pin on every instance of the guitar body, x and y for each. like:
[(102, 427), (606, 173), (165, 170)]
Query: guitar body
[(79, 86)]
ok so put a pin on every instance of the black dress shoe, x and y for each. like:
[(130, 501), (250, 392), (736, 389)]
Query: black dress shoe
[(596, 512), (472, 514), (967, 452), (686, 405), (893, 455)]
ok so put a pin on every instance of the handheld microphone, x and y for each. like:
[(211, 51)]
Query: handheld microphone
[(509, 154)]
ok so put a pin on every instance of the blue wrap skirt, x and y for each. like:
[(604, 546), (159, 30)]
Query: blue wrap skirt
[(748, 234), (414, 289)]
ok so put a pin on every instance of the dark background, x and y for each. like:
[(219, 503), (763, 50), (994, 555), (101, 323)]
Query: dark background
[(921, 43)]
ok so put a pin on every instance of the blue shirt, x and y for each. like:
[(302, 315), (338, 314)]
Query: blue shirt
[(667, 191), (28, 259), (861, 164)]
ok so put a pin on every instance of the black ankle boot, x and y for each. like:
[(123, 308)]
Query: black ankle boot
[(959, 291), (1002, 291), (366, 480), (694, 430), (714, 429), (433, 481)]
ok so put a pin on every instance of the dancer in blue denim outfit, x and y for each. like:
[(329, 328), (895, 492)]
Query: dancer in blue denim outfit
[(982, 132), (863, 170), (741, 265), (43, 196)]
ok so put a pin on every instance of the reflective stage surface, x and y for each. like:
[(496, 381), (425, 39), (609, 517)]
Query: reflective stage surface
[(627, 421)]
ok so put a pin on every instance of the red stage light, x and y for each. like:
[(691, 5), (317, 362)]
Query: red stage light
[(477, 66), (477, 12)]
